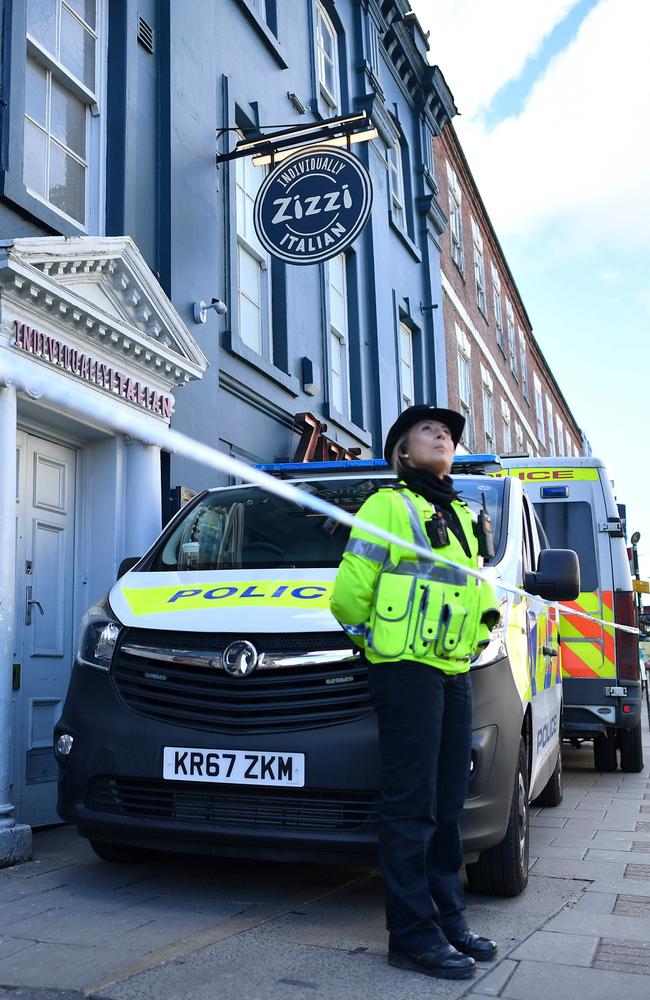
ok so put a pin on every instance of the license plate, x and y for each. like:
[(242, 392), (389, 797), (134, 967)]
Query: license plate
[(235, 767)]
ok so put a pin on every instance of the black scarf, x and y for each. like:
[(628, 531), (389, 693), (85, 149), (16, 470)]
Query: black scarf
[(438, 491)]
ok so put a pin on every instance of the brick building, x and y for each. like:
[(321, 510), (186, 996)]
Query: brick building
[(496, 372)]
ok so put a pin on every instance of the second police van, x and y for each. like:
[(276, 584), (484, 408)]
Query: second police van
[(574, 499), (216, 706)]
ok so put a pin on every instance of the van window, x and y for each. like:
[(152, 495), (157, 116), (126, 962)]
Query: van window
[(571, 526), (246, 528)]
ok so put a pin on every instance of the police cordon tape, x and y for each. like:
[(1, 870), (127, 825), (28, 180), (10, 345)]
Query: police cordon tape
[(85, 401)]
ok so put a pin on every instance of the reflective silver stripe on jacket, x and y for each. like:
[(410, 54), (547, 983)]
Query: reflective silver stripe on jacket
[(370, 550), (429, 571)]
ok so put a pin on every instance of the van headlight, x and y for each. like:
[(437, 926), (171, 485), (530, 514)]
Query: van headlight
[(98, 635), (495, 649)]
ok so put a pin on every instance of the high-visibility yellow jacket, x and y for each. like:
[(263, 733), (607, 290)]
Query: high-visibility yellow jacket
[(398, 607)]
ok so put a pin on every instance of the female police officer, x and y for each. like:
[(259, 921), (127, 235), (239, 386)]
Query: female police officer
[(419, 623)]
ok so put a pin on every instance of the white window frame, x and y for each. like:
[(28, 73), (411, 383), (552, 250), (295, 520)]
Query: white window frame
[(539, 410), (324, 24), (506, 428), (465, 387), (339, 339), (559, 427), (523, 362), (479, 267), (569, 442), (498, 306), (550, 426), (519, 437), (489, 426), (247, 243), (455, 218), (95, 101), (406, 365), (396, 184), (512, 345)]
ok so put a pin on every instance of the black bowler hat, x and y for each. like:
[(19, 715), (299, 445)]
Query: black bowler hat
[(414, 415)]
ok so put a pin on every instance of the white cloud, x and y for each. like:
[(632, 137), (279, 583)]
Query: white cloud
[(482, 44), (574, 164)]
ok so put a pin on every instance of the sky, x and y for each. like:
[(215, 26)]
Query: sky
[(554, 102)]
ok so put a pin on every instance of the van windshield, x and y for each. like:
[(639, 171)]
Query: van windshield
[(243, 527)]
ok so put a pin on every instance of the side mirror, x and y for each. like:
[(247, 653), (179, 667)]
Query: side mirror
[(557, 577), (127, 564)]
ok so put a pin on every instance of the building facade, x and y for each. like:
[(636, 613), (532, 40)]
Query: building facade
[(116, 220), (496, 372)]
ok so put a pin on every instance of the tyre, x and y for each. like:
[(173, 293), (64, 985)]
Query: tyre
[(631, 749), (121, 854), (553, 791), (605, 751), (503, 870)]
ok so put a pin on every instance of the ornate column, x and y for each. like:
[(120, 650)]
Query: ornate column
[(142, 517), (15, 840)]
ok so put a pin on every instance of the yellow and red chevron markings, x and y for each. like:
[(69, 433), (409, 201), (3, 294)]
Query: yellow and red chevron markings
[(588, 648)]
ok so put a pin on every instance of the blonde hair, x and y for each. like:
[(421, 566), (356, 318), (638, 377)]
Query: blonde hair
[(395, 460)]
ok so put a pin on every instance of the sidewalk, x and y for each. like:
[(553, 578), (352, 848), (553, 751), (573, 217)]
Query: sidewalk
[(201, 929)]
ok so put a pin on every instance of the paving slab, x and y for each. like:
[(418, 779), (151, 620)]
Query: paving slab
[(596, 902), (627, 857), (548, 820), (565, 949), (492, 984), (586, 870), (563, 982), (68, 966), (575, 852), (608, 925)]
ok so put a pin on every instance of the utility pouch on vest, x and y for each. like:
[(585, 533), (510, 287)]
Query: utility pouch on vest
[(453, 620), (391, 618), (429, 621)]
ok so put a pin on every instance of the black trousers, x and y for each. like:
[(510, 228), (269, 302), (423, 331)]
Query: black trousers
[(425, 729)]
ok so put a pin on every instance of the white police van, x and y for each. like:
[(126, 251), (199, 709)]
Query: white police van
[(216, 706), (574, 500)]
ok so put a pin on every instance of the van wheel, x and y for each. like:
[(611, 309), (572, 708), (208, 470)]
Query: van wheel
[(503, 870), (121, 854), (605, 751), (553, 791), (631, 749)]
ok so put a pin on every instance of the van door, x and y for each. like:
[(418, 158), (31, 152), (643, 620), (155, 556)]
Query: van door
[(544, 663), (587, 646)]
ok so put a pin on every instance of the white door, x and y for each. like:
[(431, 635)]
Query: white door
[(45, 508)]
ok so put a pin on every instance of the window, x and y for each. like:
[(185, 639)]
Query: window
[(549, 424), (339, 351), (59, 152), (539, 410), (455, 219), (506, 430), (328, 59), (396, 183), (560, 435), (519, 437), (253, 286), (523, 363), (407, 380), (465, 386), (512, 347), (498, 313), (569, 449), (479, 267), (488, 410), (571, 526)]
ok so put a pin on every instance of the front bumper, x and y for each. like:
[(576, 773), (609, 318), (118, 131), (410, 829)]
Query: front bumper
[(111, 785)]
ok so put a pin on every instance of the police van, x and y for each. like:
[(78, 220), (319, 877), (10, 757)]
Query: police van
[(574, 501), (216, 706)]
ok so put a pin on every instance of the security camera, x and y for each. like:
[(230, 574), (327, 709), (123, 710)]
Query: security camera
[(219, 307)]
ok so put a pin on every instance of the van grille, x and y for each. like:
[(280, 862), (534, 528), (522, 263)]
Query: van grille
[(206, 698), (312, 809)]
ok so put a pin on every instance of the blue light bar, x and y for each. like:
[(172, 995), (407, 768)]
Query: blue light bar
[(548, 492), (462, 463)]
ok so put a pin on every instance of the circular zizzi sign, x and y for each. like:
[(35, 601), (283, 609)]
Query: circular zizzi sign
[(313, 205)]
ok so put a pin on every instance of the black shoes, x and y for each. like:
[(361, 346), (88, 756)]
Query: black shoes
[(479, 948), (443, 961)]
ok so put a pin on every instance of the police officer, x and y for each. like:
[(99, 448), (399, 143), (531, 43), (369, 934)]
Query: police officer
[(419, 623)]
